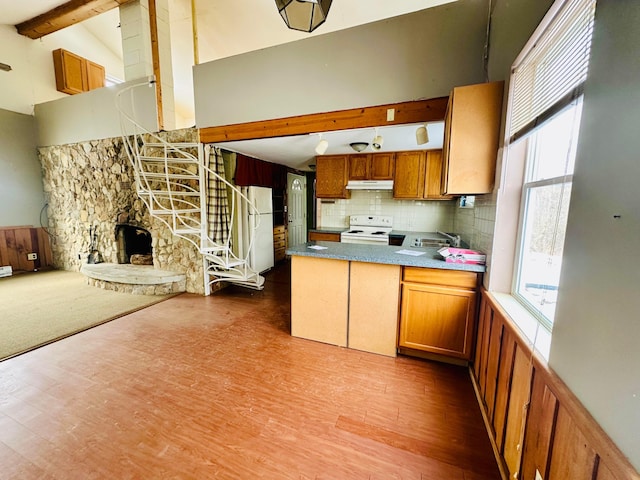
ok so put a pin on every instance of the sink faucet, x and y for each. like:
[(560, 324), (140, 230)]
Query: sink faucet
[(455, 239)]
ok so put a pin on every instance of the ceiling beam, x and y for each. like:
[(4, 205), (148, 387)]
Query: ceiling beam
[(418, 111), (65, 15)]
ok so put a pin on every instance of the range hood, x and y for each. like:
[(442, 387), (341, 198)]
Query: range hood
[(370, 185)]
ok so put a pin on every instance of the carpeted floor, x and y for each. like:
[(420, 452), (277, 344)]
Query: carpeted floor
[(41, 307)]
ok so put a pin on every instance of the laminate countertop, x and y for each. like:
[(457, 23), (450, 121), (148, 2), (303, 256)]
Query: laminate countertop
[(385, 254)]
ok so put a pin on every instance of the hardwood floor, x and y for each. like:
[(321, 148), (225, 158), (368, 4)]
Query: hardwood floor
[(215, 387)]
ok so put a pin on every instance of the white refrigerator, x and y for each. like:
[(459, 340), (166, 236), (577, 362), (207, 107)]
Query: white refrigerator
[(261, 255)]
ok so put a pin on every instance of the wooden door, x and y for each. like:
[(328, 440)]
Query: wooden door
[(408, 175), (381, 166), (359, 167), (331, 176), (437, 319)]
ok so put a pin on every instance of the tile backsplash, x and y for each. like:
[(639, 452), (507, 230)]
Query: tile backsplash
[(410, 215)]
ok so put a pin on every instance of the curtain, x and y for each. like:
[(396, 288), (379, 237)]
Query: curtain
[(217, 200)]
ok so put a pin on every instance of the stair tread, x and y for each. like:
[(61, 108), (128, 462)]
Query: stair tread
[(146, 158)]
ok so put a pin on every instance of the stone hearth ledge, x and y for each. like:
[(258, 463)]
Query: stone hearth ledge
[(135, 279)]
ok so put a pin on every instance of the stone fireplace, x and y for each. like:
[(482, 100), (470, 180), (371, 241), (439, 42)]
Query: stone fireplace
[(133, 242)]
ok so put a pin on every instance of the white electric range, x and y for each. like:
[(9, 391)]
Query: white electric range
[(368, 229)]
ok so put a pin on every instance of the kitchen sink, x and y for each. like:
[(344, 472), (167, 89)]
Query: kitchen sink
[(429, 242)]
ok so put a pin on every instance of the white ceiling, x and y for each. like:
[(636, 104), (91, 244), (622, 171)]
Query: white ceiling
[(228, 28)]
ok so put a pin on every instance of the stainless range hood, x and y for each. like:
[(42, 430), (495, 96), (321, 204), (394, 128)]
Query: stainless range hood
[(370, 185)]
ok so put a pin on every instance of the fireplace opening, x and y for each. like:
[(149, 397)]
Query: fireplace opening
[(134, 244)]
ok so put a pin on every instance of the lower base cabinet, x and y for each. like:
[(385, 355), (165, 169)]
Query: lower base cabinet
[(438, 311), (349, 304)]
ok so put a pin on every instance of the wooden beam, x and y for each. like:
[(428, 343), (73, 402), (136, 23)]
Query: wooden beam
[(432, 110), (70, 13), (155, 56)]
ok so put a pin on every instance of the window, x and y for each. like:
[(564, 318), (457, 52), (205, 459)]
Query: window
[(545, 106)]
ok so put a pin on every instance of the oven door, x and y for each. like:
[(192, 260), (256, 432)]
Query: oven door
[(364, 239)]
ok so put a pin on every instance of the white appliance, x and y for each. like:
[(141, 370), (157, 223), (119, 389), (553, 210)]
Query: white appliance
[(261, 255), (368, 229)]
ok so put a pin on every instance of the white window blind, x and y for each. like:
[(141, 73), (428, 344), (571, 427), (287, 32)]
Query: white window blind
[(552, 72)]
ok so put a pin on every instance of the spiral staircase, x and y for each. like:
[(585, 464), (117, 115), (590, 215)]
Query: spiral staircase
[(172, 179)]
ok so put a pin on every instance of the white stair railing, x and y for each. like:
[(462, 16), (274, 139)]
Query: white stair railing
[(172, 180)]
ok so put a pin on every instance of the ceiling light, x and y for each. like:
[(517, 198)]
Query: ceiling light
[(304, 15), (377, 141), (359, 146), (422, 136), (322, 146)]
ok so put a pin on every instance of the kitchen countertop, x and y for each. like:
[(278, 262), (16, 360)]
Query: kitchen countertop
[(385, 254)]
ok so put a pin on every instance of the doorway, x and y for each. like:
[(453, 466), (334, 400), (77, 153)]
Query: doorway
[(296, 209)]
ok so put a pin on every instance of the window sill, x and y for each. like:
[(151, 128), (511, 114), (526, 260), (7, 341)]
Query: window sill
[(532, 330)]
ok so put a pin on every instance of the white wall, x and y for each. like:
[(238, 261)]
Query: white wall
[(414, 56), (32, 79), (93, 115), (21, 194), (595, 345)]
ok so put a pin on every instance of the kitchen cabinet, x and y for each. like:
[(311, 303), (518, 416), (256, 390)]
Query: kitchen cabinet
[(324, 237), (75, 74), (376, 166), (346, 303), (438, 311), (331, 176), (408, 175), (433, 176), (279, 242), (472, 129)]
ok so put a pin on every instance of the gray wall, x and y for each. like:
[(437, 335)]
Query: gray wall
[(414, 56), (93, 115), (595, 346), (21, 194)]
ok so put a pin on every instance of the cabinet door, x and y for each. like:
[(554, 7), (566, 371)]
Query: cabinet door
[(71, 72), (472, 129), (408, 175), (381, 166), (331, 176), (95, 75), (433, 176), (359, 167), (437, 319)]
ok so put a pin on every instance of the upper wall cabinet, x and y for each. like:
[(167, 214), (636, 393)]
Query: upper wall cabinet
[(418, 175), (472, 129), (75, 74), (371, 166), (331, 176)]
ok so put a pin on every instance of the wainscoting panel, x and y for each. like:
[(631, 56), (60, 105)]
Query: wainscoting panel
[(17, 242), (536, 424)]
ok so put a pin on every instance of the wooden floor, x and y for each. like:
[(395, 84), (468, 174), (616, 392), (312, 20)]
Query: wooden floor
[(200, 388)]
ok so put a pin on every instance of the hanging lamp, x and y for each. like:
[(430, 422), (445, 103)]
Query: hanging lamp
[(304, 15)]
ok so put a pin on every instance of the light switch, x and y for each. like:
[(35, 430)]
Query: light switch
[(391, 114)]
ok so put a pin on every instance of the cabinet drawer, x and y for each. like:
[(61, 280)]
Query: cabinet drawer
[(325, 237), (278, 236), (278, 230), (279, 254), (278, 244), (454, 278)]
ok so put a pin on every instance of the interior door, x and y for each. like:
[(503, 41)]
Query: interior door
[(297, 208)]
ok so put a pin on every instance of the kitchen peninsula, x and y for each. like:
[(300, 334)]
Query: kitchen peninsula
[(376, 299)]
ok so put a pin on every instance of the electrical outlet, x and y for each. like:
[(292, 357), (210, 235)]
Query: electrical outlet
[(32, 256), (391, 114)]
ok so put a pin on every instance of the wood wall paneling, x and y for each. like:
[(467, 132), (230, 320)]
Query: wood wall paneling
[(16, 243), (537, 423)]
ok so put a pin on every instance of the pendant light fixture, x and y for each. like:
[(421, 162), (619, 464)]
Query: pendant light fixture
[(303, 15), (422, 136)]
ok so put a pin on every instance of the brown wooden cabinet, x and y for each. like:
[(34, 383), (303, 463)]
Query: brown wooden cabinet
[(408, 175), (433, 176), (438, 311), (371, 166), (75, 74), (331, 176), (472, 129), (279, 242), (324, 237)]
